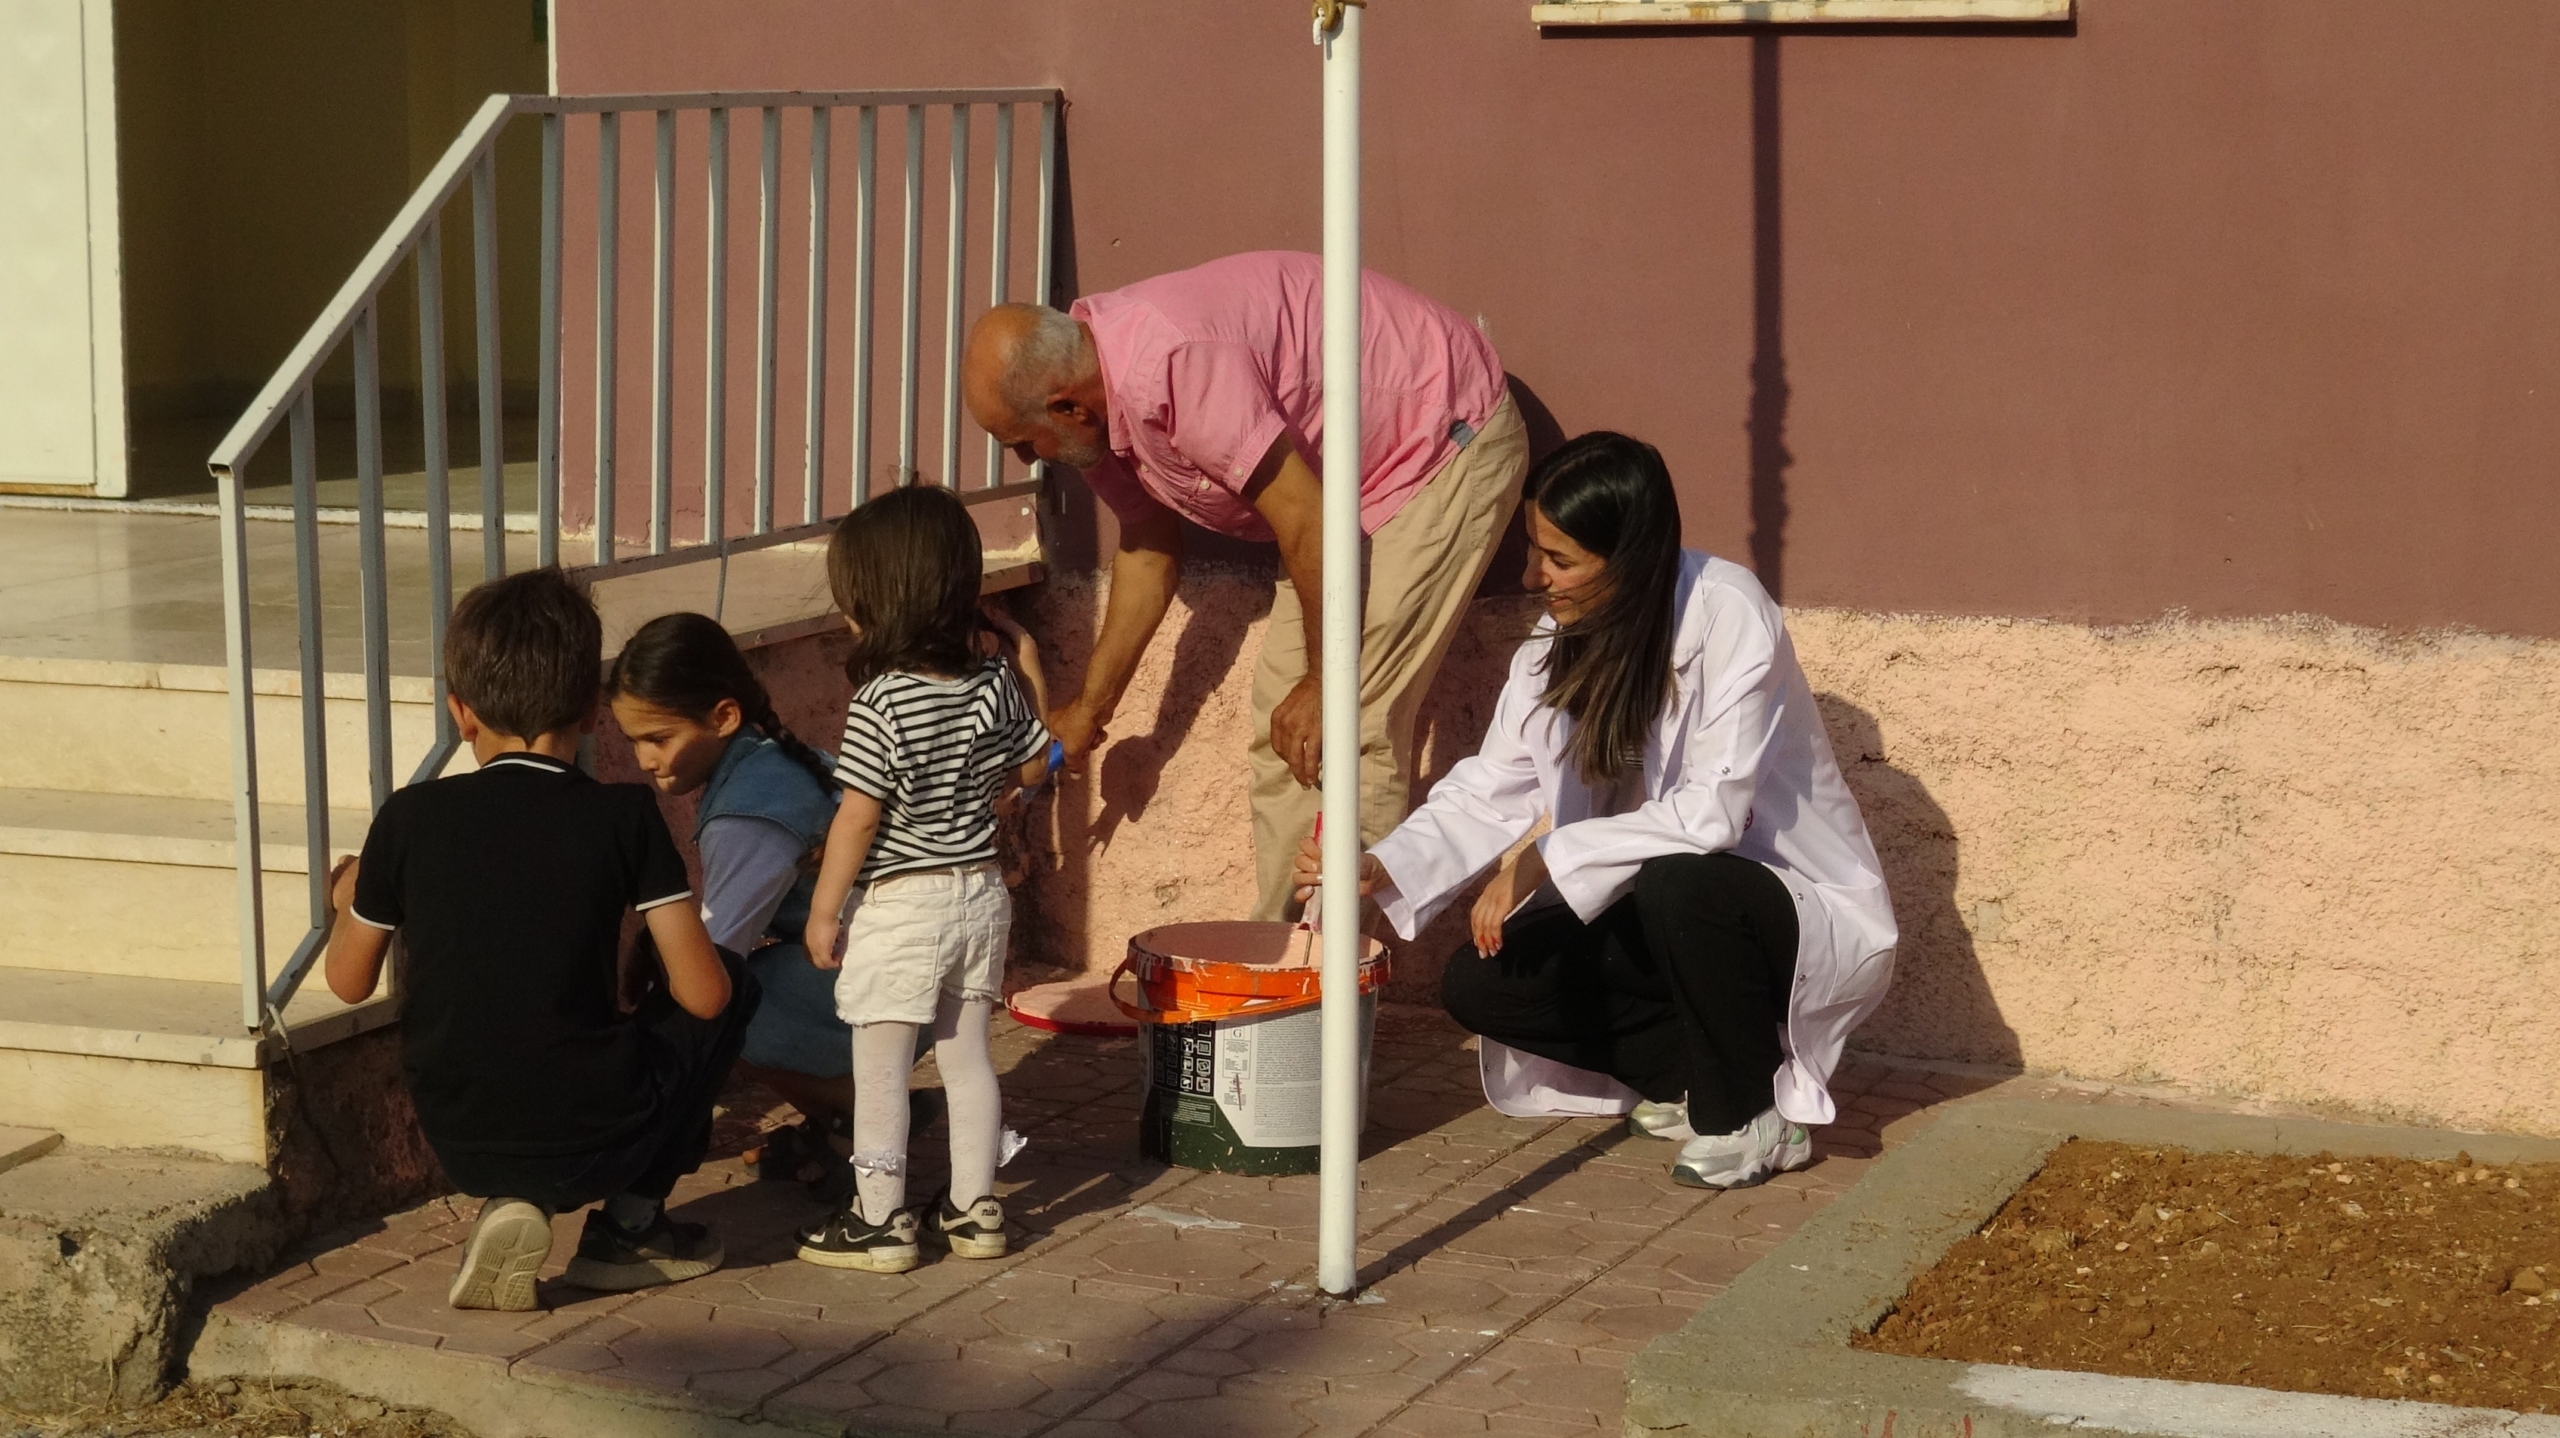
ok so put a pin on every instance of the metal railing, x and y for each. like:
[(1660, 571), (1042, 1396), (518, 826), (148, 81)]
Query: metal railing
[(352, 322)]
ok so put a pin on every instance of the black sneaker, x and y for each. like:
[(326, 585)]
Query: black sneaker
[(974, 1232), (612, 1259), (846, 1240), (508, 1247)]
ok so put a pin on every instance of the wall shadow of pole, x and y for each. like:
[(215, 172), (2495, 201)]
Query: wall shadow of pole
[(1941, 1005), (1767, 422)]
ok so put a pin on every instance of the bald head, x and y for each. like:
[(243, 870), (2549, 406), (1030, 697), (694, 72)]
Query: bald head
[(1030, 378), (1018, 357)]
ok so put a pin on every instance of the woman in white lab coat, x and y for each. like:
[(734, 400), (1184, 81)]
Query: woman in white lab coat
[(1706, 921)]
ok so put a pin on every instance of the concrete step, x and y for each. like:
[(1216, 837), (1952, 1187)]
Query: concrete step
[(143, 887), (115, 1061), (123, 727)]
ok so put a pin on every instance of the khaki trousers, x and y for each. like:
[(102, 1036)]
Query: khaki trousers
[(1423, 566)]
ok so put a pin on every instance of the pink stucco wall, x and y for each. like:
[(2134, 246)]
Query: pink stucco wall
[(2277, 859)]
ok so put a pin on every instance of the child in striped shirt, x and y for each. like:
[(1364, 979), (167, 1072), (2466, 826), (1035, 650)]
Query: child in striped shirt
[(935, 733)]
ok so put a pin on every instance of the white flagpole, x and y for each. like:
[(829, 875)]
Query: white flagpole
[(1338, 1209)]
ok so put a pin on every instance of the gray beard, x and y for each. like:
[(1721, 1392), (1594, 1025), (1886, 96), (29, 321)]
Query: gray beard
[(1080, 454)]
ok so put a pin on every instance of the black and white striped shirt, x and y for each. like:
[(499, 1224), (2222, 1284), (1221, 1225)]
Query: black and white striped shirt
[(935, 753)]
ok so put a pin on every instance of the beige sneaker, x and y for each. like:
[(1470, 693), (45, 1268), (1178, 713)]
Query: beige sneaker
[(508, 1247)]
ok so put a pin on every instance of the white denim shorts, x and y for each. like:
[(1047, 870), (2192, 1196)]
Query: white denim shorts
[(912, 938)]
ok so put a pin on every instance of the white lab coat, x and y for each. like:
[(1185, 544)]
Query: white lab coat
[(1738, 761)]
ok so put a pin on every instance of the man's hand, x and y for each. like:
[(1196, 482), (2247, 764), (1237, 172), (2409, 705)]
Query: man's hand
[(1290, 498), (1078, 731), (1308, 870), (1297, 731), (1511, 886)]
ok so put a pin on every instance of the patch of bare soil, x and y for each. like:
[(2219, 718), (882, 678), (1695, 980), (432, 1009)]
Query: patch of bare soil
[(249, 1408), (2371, 1278)]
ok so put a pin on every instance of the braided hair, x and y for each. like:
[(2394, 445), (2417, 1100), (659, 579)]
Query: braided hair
[(686, 664)]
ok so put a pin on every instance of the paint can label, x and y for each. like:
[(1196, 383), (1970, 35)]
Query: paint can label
[(1241, 1095)]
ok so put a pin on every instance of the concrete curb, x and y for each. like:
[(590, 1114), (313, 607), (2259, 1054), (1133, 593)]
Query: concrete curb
[(479, 1392), (1770, 1357), (99, 1251)]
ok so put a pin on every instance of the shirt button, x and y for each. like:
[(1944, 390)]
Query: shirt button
[(1204, 486)]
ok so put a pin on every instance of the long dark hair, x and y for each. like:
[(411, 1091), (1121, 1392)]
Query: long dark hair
[(686, 664), (1610, 670), (905, 569)]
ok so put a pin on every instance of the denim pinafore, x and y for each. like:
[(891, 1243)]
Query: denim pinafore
[(796, 1027)]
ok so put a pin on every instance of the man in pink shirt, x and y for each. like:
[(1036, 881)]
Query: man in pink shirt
[(1199, 395)]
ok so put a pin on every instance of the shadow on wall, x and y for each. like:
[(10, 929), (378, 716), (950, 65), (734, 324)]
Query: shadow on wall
[(1154, 830), (1940, 1006), (1767, 421), (1132, 768)]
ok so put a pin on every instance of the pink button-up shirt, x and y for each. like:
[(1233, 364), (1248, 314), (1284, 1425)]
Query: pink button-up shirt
[(1207, 366)]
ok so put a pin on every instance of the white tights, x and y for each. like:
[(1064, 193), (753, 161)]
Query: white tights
[(882, 1056)]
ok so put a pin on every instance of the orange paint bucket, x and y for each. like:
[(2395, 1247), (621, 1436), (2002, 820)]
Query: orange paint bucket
[(1233, 1040), (1191, 973)]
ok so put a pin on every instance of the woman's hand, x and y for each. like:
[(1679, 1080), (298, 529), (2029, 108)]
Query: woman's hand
[(1510, 887), (1308, 871)]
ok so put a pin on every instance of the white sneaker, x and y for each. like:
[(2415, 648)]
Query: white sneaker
[(1661, 1120), (1766, 1145)]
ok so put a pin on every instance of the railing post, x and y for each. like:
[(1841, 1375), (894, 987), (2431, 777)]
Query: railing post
[(371, 576), (662, 339), (911, 304), (768, 255), (1047, 241), (246, 891), (431, 414), (955, 269), (315, 692), (493, 416), (547, 440), (866, 225), (608, 308), (814, 405), (1000, 252), (715, 368), (1048, 203)]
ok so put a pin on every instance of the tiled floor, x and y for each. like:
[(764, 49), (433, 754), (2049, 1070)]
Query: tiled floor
[(1509, 1269)]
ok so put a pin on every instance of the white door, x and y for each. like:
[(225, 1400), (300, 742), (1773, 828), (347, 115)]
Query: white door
[(61, 310)]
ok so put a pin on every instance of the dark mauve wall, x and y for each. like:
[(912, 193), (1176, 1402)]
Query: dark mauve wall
[(2229, 308)]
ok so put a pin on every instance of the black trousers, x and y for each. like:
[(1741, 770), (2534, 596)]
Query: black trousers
[(1679, 988), (689, 1059)]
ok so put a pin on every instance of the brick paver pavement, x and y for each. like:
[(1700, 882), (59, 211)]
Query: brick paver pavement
[(1509, 1269)]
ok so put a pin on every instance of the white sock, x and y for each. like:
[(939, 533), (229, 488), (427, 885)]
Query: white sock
[(883, 1055)]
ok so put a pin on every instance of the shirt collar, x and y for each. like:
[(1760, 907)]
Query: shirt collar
[(531, 760), (1115, 428)]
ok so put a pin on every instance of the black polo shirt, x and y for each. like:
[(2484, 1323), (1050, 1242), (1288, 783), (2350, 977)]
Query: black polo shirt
[(508, 886)]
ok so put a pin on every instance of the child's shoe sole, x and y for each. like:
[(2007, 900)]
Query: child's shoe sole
[(867, 1260), (508, 1247)]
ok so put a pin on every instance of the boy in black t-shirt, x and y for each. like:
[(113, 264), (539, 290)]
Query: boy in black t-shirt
[(509, 886)]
